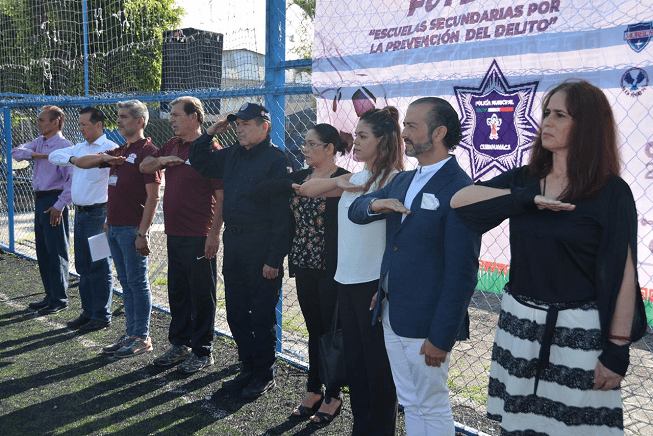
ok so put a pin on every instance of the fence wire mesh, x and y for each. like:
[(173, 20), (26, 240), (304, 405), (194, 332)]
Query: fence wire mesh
[(59, 71)]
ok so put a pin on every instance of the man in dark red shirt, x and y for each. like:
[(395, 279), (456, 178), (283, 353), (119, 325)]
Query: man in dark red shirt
[(131, 206), (192, 211)]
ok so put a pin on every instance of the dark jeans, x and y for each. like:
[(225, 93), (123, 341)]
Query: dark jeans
[(52, 250), (191, 293), (371, 387), (317, 293), (251, 300), (95, 278)]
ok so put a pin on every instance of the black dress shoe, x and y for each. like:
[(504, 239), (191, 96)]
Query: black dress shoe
[(257, 387), (78, 322), (52, 308), (94, 324), (38, 304), (239, 382)]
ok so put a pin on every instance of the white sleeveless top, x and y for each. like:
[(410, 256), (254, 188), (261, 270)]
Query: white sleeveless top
[(360, 247)]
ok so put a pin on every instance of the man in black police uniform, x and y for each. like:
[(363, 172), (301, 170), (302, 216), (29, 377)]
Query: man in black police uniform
[(256, 239)]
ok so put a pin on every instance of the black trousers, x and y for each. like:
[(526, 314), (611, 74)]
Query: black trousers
[(371, 388), (251, 300), (191, 293), (317, 293)]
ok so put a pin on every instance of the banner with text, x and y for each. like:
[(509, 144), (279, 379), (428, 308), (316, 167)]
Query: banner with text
[(493, 61)]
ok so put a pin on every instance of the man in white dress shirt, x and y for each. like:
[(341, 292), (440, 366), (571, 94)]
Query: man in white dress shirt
[(89, 195)]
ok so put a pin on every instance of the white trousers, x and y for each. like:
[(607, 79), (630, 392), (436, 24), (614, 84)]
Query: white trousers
[(421, 389)]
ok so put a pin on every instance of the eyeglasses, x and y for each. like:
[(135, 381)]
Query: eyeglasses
[(314, 144)]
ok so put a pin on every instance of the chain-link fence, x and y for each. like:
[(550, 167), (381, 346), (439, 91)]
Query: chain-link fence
[(299, 119), (470, 360)]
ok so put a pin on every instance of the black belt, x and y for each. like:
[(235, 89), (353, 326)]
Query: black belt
[(549, 328), (39, 194), (90, 207), (236, 229)]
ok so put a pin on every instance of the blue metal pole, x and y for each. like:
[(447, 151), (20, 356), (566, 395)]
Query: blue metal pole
[(275, 77), (10, 178), (85, 20), (275, 73)]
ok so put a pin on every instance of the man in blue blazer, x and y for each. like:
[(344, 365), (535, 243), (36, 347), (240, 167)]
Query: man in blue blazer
[(430, 265)]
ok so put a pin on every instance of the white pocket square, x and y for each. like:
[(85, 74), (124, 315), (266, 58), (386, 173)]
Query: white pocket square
[(429, 202)]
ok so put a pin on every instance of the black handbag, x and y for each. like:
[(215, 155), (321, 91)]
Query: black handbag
[(331, 355)]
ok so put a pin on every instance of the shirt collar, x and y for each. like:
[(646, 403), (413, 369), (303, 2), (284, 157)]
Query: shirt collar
[(57, 136), (102, 139), (140, 142), (255, 150), (433, 168)]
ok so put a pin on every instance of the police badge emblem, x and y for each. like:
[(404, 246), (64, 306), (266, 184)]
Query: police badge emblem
[(496, 121)]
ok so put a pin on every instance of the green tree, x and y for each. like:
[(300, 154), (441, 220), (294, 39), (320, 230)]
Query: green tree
[(42, 45)]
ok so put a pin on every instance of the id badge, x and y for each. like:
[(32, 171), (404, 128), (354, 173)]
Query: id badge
[(113, 179)]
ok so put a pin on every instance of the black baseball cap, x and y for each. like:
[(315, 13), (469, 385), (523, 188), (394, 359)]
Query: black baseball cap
[(249, 111)]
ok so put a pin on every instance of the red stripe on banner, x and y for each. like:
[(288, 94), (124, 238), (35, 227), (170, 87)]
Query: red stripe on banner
[(494, 267), (647, 294)]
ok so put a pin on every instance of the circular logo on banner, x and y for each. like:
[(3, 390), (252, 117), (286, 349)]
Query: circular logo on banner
[(634, 81)]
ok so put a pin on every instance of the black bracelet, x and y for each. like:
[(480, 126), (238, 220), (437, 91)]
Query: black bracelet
[(616, 357)]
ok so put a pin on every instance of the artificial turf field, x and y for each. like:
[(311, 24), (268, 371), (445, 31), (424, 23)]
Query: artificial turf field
[(55, 381)]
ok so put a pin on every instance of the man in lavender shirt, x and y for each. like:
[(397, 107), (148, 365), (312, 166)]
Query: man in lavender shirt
[(51, 197)]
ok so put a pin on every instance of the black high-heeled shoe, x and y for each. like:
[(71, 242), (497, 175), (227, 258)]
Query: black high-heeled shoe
[(305, 412), (326, 418)]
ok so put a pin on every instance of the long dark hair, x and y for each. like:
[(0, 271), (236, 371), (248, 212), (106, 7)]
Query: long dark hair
[(592, 150), (330, 135), (384, 124)]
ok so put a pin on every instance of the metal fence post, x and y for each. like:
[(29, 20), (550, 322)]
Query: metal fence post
[(10, 179), (275, 72), (85, 26), (275, 77)]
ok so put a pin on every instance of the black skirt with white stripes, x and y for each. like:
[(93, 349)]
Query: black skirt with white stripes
[(564, 402)]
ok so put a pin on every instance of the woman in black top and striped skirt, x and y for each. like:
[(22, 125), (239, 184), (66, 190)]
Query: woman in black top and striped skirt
[(572, 305)]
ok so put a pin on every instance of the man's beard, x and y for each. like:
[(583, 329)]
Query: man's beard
[(418, 149)]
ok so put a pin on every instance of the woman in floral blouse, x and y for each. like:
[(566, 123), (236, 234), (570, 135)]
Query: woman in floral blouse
[(312, 260)]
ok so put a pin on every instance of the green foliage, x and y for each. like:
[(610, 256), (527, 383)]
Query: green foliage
[(43, 53), (304, 48), (648, 305), (308, 6)]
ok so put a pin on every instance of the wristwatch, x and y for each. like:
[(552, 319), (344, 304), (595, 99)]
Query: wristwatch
[(140, 235), (369, 207)]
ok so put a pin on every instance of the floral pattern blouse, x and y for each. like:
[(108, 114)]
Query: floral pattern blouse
[(308, 245)]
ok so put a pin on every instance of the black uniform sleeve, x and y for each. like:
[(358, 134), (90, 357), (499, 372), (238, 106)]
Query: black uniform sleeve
[(205, 159), (270, 187), (281, 238)]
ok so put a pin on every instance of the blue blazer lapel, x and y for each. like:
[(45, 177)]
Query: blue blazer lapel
[(403, 189), (441, 179), (402, 197)]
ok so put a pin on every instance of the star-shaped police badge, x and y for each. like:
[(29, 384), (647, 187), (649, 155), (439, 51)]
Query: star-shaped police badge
[(496, 122)]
